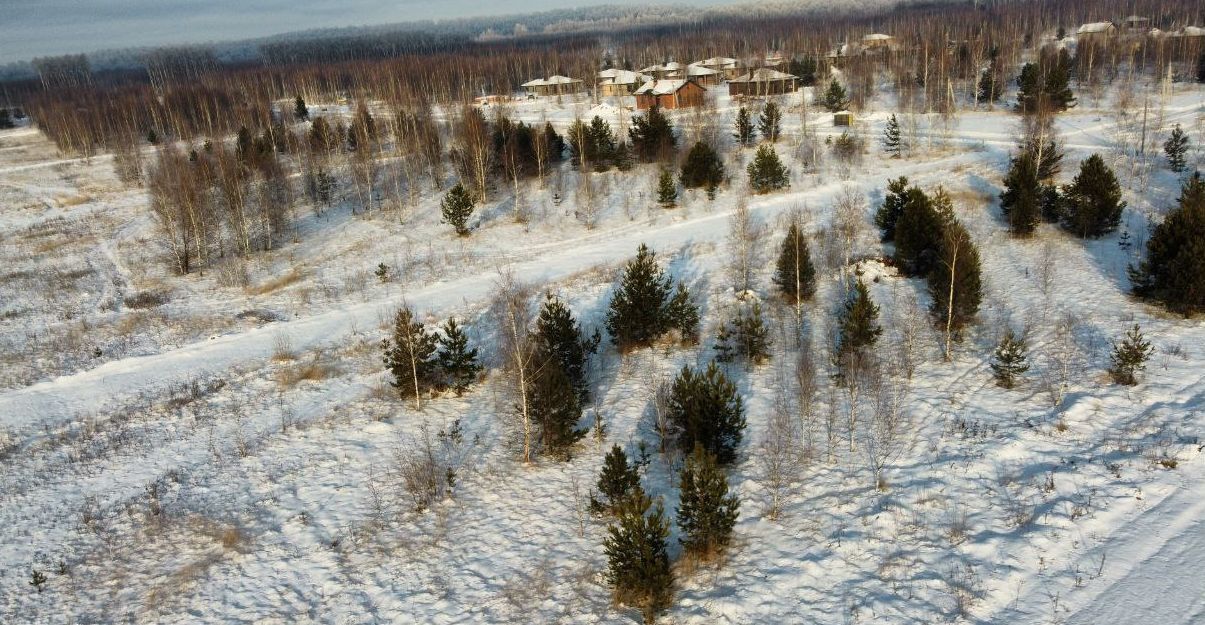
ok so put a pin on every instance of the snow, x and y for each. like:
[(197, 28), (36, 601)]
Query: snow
[(279, 502)]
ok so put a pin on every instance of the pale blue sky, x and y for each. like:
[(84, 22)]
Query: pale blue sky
[(30, 28)]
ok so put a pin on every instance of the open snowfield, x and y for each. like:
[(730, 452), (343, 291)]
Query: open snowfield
[(223, 447)]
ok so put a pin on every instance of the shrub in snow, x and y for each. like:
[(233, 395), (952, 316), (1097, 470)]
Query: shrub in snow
[(1129, 358)]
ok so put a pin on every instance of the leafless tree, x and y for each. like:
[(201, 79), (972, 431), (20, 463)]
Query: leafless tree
[(848, 223), (745, 247), (517, 352)]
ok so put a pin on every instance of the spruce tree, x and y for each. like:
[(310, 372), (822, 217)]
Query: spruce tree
[(744, 127), (617, 481), (956, 297), (893, 206), (1175, 148), (1021, 201), (457, 362), (652, 136), (766, 172), (1173, 272), (667, 191), (770, 123), (603, 144), (300, 111), (1009, 361), (682, 315), (1092, 204), (623, 157), (457, 207), (702, 168), (558, 335), (835, 98), (706, 512), (1129, 358), (638, 567), (555, 142), (891, 137), (858, 327), (706, 411), (637, 314), (794, 274), (409, 356)]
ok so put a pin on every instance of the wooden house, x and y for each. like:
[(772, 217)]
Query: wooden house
[(729, 67), (762, 82), (553, 85), (705, 76), (669, 94), (1096, 30), (619, 82)]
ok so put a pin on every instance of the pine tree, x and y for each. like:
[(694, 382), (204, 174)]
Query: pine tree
[(1129, 358), (637, 313), (410, 356), (891, 137), (989, 89), (1056, 87), (321, 138), (554, 405), (706, 512), (744, 127), (858, 327), (1175, 148), (457, 207), (1029, 88), (835, 98), (794, 274), (955, 283), (558, 335), (706, 411), (749, 338), (1009, 361), (623, 157), (769, 125), (1201, 68), (766, 172), (638, 566), (1173, 272), (893, 206), (299, 109), (602, 142), (667, 191), (652, 136), (1092, 204), (457, 362), (702, 168), (617, 481), (682, 315), (918, 232), (1021, 201), (556, 143)]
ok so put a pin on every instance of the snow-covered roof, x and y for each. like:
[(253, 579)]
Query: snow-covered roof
[(764, 74), (672, 66), (1094, 27), (698, 70), (876, 37), (621, 77), (1193, 31), (661, 87), (716, 61), (551, 80)]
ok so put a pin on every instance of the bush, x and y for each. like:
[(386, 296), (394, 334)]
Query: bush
[(706, 410)]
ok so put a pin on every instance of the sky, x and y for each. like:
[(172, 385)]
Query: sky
[(31, 28)]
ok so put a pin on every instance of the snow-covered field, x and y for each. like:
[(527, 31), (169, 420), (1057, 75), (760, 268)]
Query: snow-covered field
[(192, 450)]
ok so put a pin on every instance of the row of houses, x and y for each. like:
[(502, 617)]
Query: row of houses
[(1134, 25), (673, 85)]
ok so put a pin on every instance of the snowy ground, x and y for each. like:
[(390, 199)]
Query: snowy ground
[(163, 460)]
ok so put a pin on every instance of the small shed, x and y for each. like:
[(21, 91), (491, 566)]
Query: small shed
[(669, 94), (843, 118), (1096, 30)]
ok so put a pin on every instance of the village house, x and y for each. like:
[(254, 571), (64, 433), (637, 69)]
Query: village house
[(619, 82), (1135, 25), (669, 94), (705, 76), (553, 85), (671, 69), (725, 65), (762, 82), (1096, 30)]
